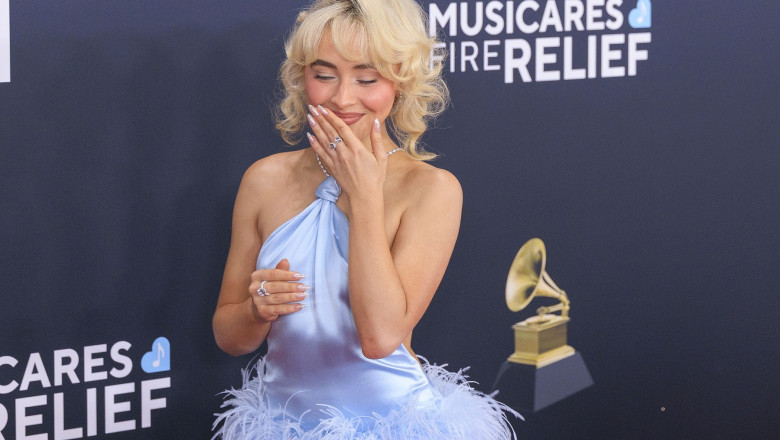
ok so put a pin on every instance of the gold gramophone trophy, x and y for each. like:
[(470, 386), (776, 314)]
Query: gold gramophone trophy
[(544, 368), (539, 340)]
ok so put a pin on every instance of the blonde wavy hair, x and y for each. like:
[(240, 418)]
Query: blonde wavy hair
[(391, 35)]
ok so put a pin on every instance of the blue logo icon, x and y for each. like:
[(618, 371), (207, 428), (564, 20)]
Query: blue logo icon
[(639, 17), (159, 359)]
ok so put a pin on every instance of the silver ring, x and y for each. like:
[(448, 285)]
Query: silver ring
[(337, 140), (332, 145), (261, 290)]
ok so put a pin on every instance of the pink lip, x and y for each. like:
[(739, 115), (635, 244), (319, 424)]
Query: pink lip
[(349, 118)]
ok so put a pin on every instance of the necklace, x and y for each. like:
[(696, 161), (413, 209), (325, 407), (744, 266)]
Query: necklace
[(319, 162)]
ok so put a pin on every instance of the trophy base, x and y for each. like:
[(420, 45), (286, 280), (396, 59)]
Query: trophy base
[(541, 340), (528, 388), (546, 358)]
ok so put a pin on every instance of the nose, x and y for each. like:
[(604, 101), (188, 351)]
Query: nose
[(344, 96)]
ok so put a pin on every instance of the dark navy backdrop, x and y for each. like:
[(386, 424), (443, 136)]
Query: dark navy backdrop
[(126, 127)]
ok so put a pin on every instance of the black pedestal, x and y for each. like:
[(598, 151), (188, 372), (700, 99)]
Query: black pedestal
[(529, 389)]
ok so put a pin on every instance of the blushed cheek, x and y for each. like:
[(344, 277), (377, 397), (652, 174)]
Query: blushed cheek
[(313, 91), (382, 102)]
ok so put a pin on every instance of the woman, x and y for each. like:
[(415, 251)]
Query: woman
[(338, 249)]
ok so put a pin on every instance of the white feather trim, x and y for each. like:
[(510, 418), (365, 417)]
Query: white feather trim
[(459, 412)]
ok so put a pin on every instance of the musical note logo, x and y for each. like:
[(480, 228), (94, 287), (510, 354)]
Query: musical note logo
[(159, 358), (641, 16), (160, 355)]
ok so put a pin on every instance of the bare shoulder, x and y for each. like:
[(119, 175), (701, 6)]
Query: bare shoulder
[(273, 166), (424, 182), (271, 172)]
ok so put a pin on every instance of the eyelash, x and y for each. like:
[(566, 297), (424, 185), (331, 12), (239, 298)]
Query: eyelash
[(361, 82)]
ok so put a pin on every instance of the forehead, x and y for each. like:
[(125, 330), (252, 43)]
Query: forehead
[(328, 54), (348, 44)]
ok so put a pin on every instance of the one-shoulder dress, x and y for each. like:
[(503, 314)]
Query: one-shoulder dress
[(315, 383)]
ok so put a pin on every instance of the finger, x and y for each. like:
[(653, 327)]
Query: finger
[(319, 140), (272, 313), (283, 264), (324, 160), (278, 287), (377, 143), (322, 128), (340, 129), (294, 291), (319, 149), (266, 310), (282, 298), (275, 275), (331, 124), (344, 131)]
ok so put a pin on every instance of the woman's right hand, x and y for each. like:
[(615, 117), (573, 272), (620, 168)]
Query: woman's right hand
[(280, 293)]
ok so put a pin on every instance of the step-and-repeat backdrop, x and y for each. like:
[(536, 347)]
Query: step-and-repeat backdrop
[(637, 138)]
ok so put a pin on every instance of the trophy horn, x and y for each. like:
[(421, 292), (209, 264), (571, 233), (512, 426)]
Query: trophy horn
[(527, 279)]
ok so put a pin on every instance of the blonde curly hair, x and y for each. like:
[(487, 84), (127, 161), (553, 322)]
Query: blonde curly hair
[(391, 35)]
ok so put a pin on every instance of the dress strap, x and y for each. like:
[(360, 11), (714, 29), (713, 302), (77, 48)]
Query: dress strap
[(328, 190)]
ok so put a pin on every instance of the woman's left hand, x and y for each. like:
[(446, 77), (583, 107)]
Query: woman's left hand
[(357, 169)]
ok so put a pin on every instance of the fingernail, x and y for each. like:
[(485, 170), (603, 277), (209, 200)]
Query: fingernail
[(298, 275), (322, 109), (311, 120), (313, 110), (301, 295), (376, 125), (303, 287), (299, 306), (311, 138)]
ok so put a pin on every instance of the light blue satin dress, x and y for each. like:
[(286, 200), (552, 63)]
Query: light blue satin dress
[(315, 383)]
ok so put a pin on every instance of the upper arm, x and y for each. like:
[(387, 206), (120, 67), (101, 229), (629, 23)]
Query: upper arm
[(245, 240), (426, 238)]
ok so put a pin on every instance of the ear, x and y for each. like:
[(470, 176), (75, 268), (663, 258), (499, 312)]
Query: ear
[(399, 96), (399, 93)]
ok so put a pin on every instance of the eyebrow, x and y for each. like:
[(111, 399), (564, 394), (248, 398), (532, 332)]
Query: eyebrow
[(324, 63)]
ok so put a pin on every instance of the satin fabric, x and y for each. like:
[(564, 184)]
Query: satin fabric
[(314, 358)]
